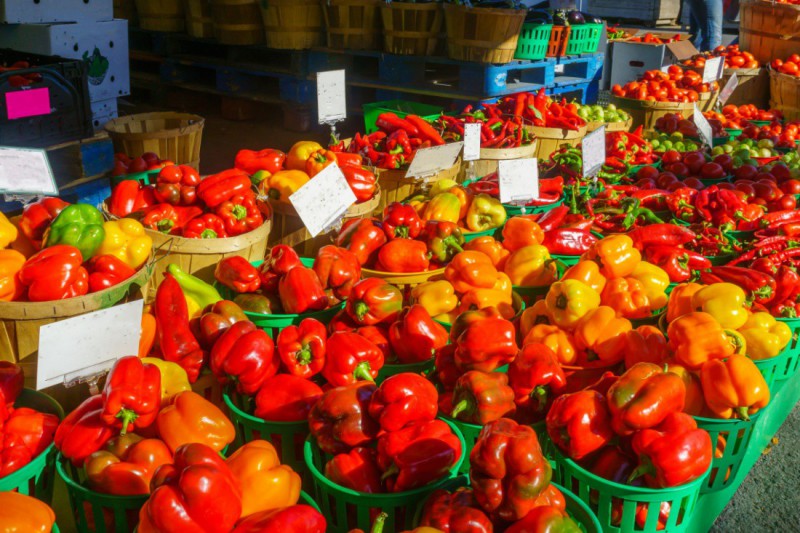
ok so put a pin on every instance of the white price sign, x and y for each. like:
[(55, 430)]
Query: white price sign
[(323, 200), (594, 152), (86, 345), (703, 127), (331, 101), (472, 141), (26, 171), (712, 71), (429, 161), (518, 180), (727, 91)]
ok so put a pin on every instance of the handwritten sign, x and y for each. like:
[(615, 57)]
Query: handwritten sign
[(87, 345), (712, 71), (594, 152), (472, 142), (331, 100), (429, 161), (26, 171), (518, 180), (727, 91), (323, 200), (703, 127)]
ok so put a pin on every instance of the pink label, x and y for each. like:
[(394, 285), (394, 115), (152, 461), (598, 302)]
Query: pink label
[(30, 103)]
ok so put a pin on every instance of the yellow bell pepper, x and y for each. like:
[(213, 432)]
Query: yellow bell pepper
[(485, 213), (443, 185), (560, 341), (503, 283), (680, 300), (11, 262), (536, 314), (603, 335), (437, 297), (723, 301), (483, 298), (444, 207), (284, 183), (587, 272), (299, 154), (655, 282), (696, 338), (173, 378), (127, 241), (530, 266), (8, 231), (569, 300), (615, 255), (265, 482), (765, 336)]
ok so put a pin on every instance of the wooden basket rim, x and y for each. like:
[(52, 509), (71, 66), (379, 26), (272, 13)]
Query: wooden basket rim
[(558, 133), (355, 210), (182, 245), (194, 123), (519, 152)]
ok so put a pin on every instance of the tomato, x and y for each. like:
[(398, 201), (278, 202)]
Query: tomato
[(137, 165), (725, 161), (767, 191), (790, 68), (745, 172), (679, 169), (694, 183), (790, 186), (794, 58), (784, 203), (766, 176), (665, 179), (694, 161), (670, 156), (647, 173)]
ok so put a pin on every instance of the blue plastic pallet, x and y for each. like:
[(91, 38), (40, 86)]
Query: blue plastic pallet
[(585, 93), (572, 70)]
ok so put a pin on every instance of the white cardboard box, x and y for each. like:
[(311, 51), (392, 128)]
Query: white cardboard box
[(103, 45), (45, 11), (630, 60), (103, 111)]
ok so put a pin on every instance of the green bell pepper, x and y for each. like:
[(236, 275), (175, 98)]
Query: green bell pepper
[(78, 225)]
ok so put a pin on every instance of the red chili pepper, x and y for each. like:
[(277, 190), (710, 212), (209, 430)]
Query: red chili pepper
[(566, 241), (758, 285), (176, 340), (425, 130), (391, 122), (661, 234)]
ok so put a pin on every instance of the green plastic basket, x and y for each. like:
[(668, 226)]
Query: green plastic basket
[(515, 210), (469, 433), (710, 182), (533, 40), (651, 320), (121, 513), (636, 168), (568, 260), (287, 437), (306, 499), (35, 478), (721, 260), (530, 295), (792, 351), (771, 368), (346, 509), (737, 435), (273, 324), (733, 132), (390, 369), (604, 497), (401, 108), (55, 529), (148, 177), (584, 39)]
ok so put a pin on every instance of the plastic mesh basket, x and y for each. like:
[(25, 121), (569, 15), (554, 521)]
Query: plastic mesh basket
[(35, 478), (557, 46), (615, 505), (772, 367), (533, 41), (792, 351), (731, 438), (583, 39), (514, 210), (470, 434), (387, 370), (346, 509)]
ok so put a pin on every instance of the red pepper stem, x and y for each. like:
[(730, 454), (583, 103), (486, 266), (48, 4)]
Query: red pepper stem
[(362, 372), (460, 407), (127, 416), (742, 413), (401, 232), (380, 521), (165, 226)]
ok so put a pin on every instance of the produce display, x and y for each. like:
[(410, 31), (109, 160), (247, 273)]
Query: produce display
[(734, 58), (789, 65), (674, 85), (497, 131)]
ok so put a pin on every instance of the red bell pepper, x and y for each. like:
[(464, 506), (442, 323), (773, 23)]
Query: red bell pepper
[(106, 271), (580, 423), (83, 431), (132, 394), (221, 187), (337, 269), (401, 221), (455, 513), (415, 336), (214, 320), (245, 355), (206, 226), (129, 196), (357, 470), (301, 291), (177, 185), (403, 255), (643, 397), (402, 400), (418, 454), (35, 429), (293, 519), (364, 237), (486, 345), (168, 218), (198, 492), (240, 214), (54, 273), (446, 373), (373, 301), (286, 398), (536, 377), (379, 336), (251, 161), (508, 470), (679, 263), (176, 340), (281, 259), (302, 348), (545, 518), (673, 453), (36, 218), (238, 274), (13, 454), (362, 181), (12, 381), (351, 357), (339, 420), (482, 397)]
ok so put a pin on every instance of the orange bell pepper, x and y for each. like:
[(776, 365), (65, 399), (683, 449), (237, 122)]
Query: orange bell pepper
[(734, 387), (483, 298), (492, 248), (299, 154), (646, 344), (602, 334), (627, 297), (471, 270), (680, 300), (533, 316), (694, 403), (560, 341), (148, 336), (19, 513), (697, 338), (521, 231), (265, 483), (191, 418), (615, 255), (587, 272), (11, 262), (464, 197)]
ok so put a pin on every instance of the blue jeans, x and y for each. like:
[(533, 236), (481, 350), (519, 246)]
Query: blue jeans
[(705, 23)]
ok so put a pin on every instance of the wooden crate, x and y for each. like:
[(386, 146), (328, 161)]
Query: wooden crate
[(411, 29), (785, 91), (769, 31), (753, 86), (237, 21), (352, 24), (551, 139), (292, 24), (646, 113), (199, 22), (484, 35), (491, 156)]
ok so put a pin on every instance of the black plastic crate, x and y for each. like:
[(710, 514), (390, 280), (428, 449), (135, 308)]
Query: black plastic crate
[(70, 116)]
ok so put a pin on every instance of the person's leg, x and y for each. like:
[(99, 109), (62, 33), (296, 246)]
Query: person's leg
[(713, 24), (697, 25)]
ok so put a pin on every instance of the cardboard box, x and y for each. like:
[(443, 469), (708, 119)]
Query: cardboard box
[(630, 61), (47, 11), (102, 45), (103, 111)]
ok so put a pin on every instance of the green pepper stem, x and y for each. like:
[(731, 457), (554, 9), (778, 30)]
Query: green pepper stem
[(239, 212), (539, 395), (303, 356), (459, 408), (128, 416), (361, 372), (361, 309), (380, 521), (742, 413)]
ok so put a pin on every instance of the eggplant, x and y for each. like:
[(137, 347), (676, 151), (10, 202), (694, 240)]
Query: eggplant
[(575, 17), (559, 18), (591, 19)]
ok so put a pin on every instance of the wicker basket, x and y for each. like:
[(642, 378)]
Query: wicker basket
[(411, 29), (753, 86), (199, 22), (292, 24), (395, 187), (290, 230), (610, 126), (550, 139), (769, 30), (485, 35), (785, 94), (173, 136), (160, 15), (646, 113), (237, 21), (352, 24)]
